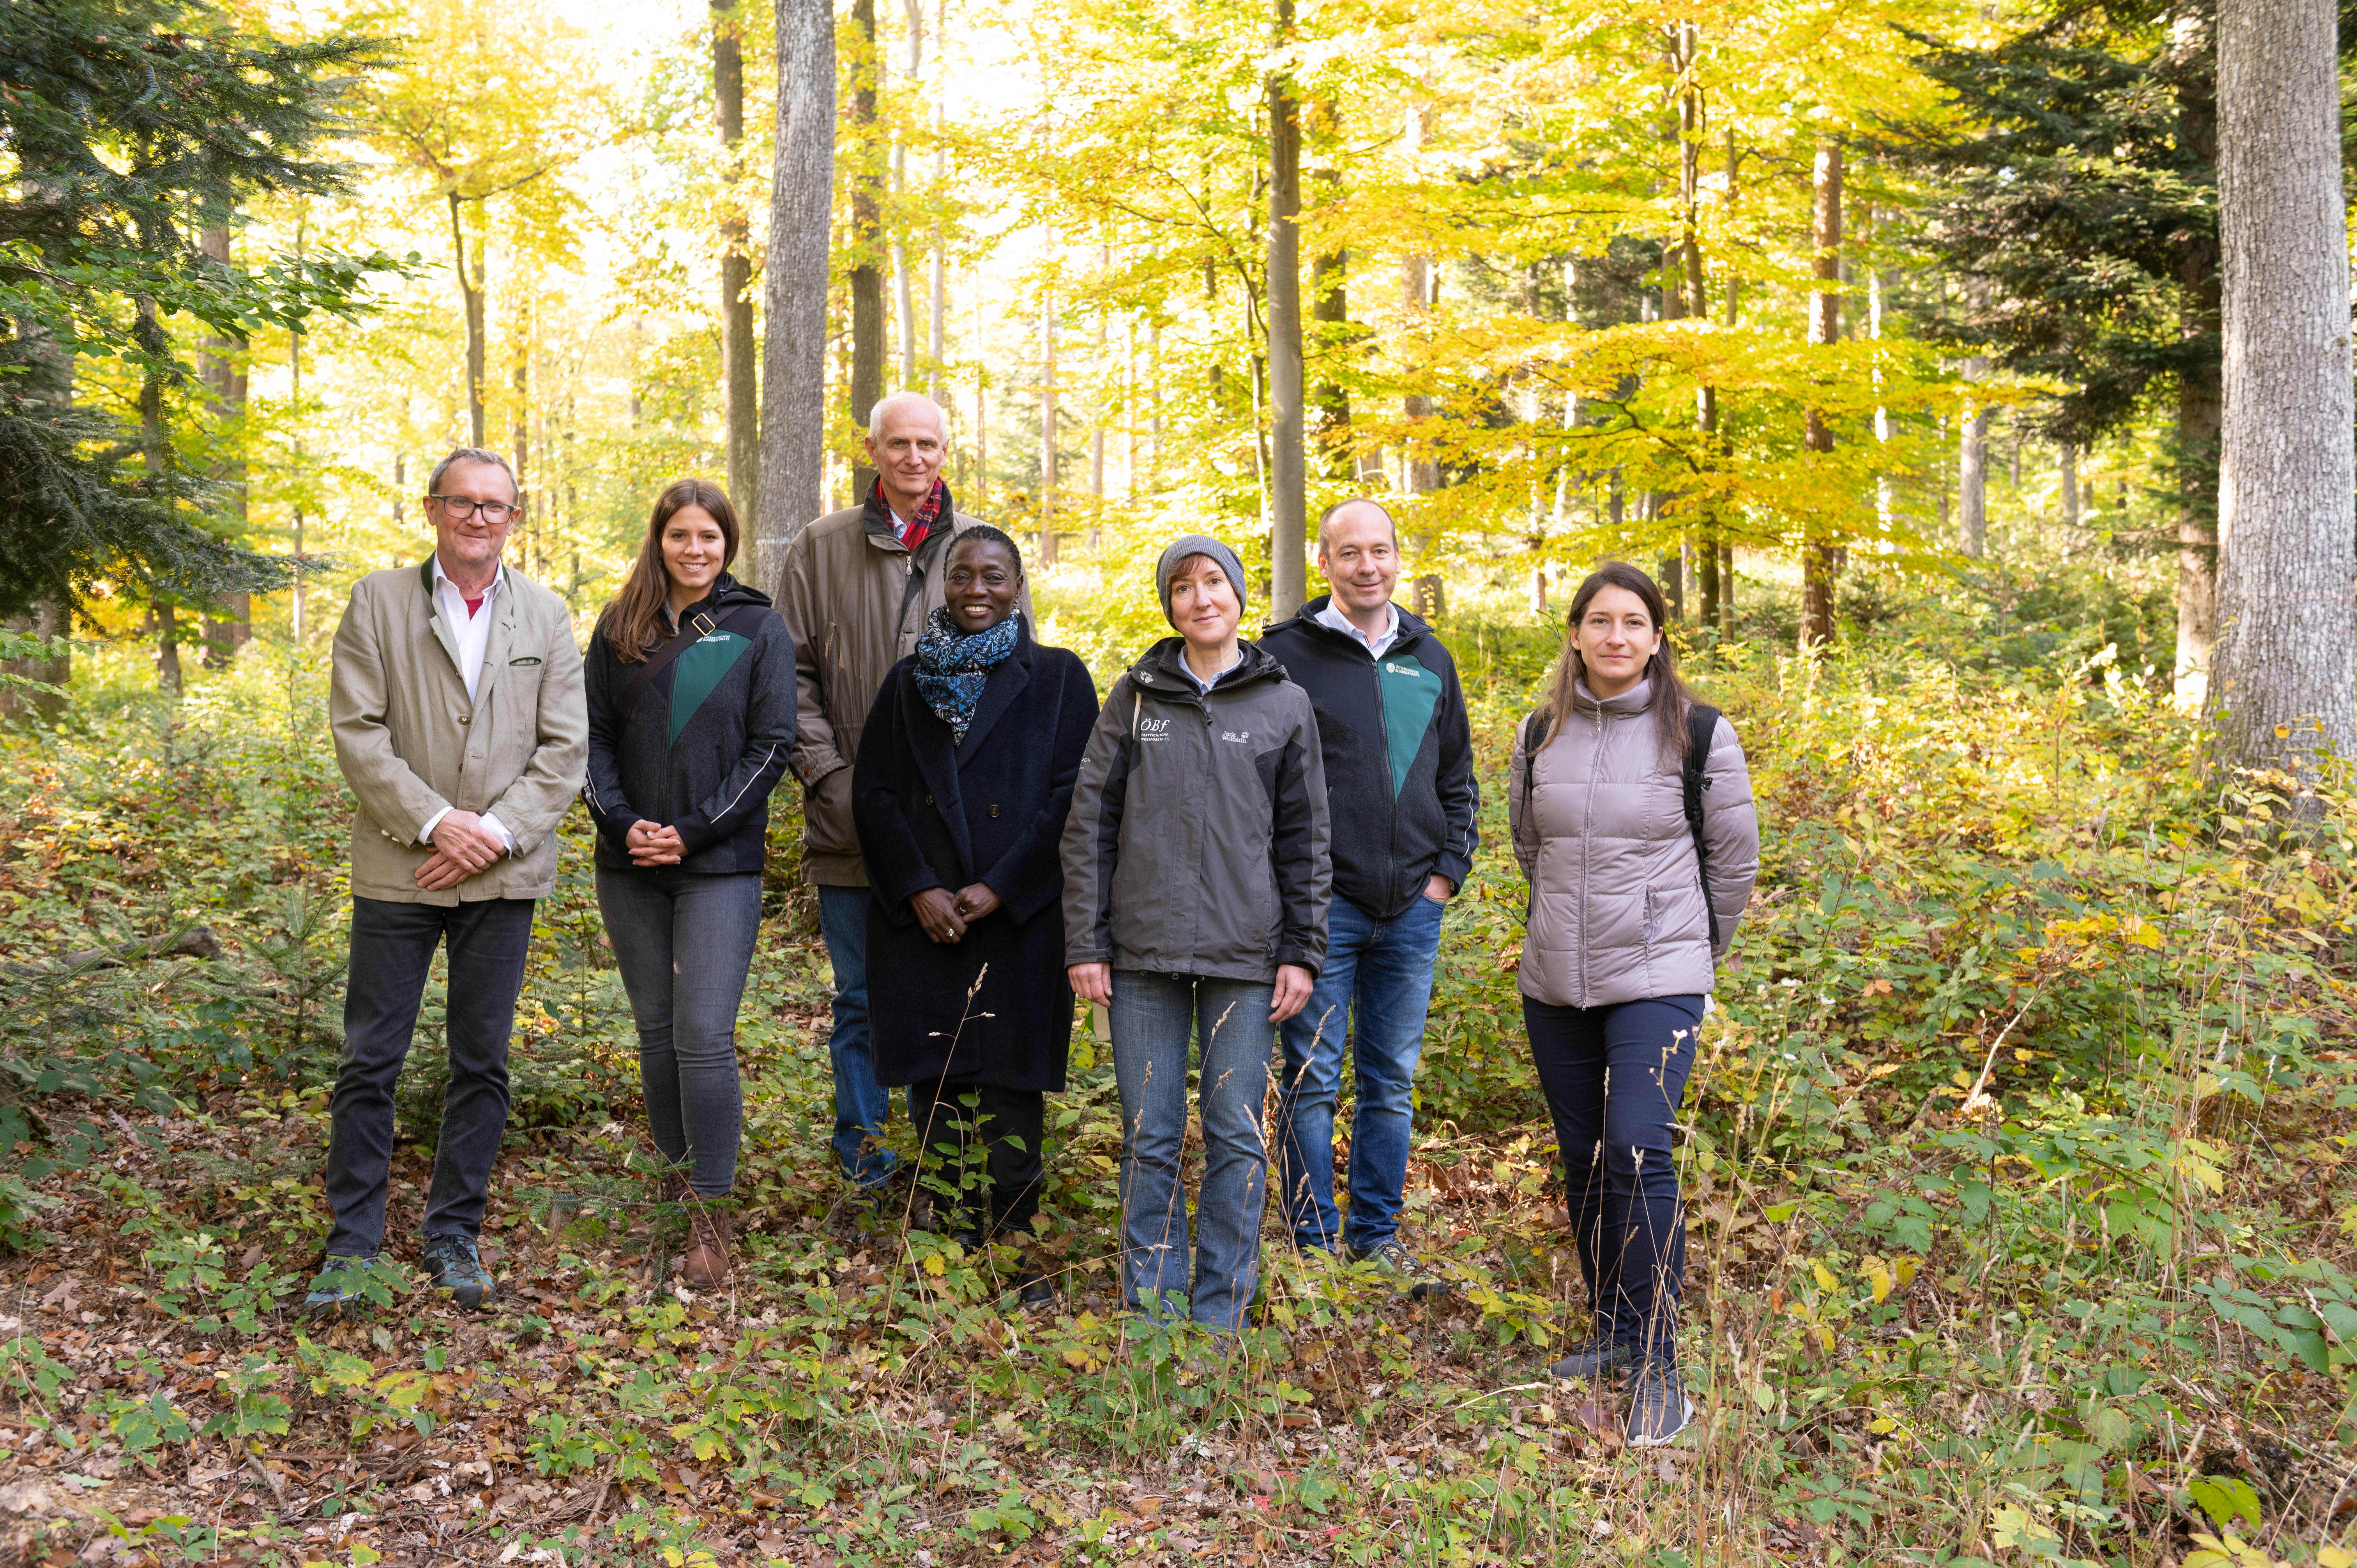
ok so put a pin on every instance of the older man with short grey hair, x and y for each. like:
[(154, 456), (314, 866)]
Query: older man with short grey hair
[(858, 589), (455, 702)]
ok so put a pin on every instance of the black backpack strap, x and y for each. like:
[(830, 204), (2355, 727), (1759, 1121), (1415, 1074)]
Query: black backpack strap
[(1535, 739), (694, 629), (1702, 728)]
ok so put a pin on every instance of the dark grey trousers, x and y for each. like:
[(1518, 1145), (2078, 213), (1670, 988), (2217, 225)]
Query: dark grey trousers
[(684, 941), (393, 948)]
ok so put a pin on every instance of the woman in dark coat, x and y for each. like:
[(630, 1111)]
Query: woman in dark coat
[(964, 775)]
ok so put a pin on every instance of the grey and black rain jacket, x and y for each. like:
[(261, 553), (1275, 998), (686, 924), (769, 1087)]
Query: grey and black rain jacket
[(1197, 841)]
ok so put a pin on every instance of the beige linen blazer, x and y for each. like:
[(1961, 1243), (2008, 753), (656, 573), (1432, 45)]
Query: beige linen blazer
[(410, 743)]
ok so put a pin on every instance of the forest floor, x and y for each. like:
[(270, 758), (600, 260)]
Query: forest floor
[(2021, 1223)]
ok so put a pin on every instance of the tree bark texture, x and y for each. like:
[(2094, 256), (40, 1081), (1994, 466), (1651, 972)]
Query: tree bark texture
[(738, 391), (865, 387), (792, 474), (470, 291), (220, 365), (1818, 557), (1288, 479), (2285, 671)]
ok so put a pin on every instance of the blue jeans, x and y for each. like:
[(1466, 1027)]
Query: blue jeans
[(1153, 1016), (1613, 1077), (1372, 993), (684, 941), (862, 1105), (393, 948)]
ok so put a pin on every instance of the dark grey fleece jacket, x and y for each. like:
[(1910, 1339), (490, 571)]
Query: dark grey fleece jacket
[(1198, 838)]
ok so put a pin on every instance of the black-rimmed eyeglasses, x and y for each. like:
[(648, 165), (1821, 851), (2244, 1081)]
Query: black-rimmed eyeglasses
[(459, 508)]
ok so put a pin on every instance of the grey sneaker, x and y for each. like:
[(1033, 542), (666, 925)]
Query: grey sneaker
[(453, 1264), (1658, 1407), (1595, 1356), (1391, 1257)]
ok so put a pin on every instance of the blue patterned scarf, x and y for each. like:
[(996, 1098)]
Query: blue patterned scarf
[(952, 667)]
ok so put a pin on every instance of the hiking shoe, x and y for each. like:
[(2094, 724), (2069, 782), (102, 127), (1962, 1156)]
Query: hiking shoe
[(1391, 1257), (1033, 1285), (453, 1264), (868, 1209), (339, 1284), (1658, 1407), (705, 1265), (1594, 1357)]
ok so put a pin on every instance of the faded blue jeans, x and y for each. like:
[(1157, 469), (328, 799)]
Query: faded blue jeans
[(1153, 1017), (862, 1105), (1371, 997), (683, 942)]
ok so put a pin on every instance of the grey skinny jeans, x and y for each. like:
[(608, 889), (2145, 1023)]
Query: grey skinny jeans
[(1153, 1017), (684, 941)]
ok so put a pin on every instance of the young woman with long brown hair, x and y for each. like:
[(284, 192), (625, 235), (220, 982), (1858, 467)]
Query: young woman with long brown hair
[(1633, 821), (691, 686)]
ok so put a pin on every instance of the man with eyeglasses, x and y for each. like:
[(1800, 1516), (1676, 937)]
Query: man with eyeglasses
[(455, 701)]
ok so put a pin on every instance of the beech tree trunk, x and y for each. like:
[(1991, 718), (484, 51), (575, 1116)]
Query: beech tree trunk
[(470, 290), (792, 474), (738, 392), (2199, 404), (865, 386), (1289, 480), (2284, 680), (1819, 560)]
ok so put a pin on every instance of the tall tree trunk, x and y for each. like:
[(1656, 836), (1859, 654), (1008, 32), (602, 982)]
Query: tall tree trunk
[(1972, 445), (739, 392), (2200, 408), (1418, 475), (155, 457), (1329, 306), (2066, 467), (1819, 560), (1288, 479), (2286, 661), (903, 275), (793, 482), (1047, 427), (866, 383), (220, 365), (1686, 41), (470, 290)]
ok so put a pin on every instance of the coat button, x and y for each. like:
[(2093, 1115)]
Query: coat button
[(464, 718), (929, 799), (993, 811)]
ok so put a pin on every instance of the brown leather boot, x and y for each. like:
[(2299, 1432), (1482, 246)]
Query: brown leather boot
[(705, 1266)]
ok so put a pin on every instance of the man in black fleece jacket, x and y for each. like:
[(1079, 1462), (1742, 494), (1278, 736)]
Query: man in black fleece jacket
[(1402, 800)]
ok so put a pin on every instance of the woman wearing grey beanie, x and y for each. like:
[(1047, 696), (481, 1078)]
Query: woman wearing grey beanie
[(1195, 890)]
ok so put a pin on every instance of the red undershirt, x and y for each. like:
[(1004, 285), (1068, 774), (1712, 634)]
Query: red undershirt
[(472, 606)]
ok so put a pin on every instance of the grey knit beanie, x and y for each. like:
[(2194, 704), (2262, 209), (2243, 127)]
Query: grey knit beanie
[(1188, 544)]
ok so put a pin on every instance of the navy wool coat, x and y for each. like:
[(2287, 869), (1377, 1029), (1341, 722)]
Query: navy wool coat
[(988, 809)]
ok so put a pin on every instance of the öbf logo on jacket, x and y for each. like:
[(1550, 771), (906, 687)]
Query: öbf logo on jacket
[(1153, 729)]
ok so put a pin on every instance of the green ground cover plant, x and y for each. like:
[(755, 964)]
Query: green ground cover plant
[(2016, 1157)]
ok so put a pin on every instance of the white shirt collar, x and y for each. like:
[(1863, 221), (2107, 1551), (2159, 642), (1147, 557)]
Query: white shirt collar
[(1331, 616), (442, 579)]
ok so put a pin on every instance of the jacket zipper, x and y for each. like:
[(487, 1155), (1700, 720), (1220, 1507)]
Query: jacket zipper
[(1587, 854)]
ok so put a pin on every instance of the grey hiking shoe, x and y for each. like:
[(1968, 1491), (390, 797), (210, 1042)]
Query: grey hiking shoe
[(1406, 1270), (1658, 1406), (1597, 1356), (344, 1282), (453, 1264)]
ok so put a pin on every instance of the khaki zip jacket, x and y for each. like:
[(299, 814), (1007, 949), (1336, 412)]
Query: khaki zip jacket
[(1599, 829), (856, 601), (410, 741)]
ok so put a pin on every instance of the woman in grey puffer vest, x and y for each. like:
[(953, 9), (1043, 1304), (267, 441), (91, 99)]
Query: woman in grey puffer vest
[(1617, 965)]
